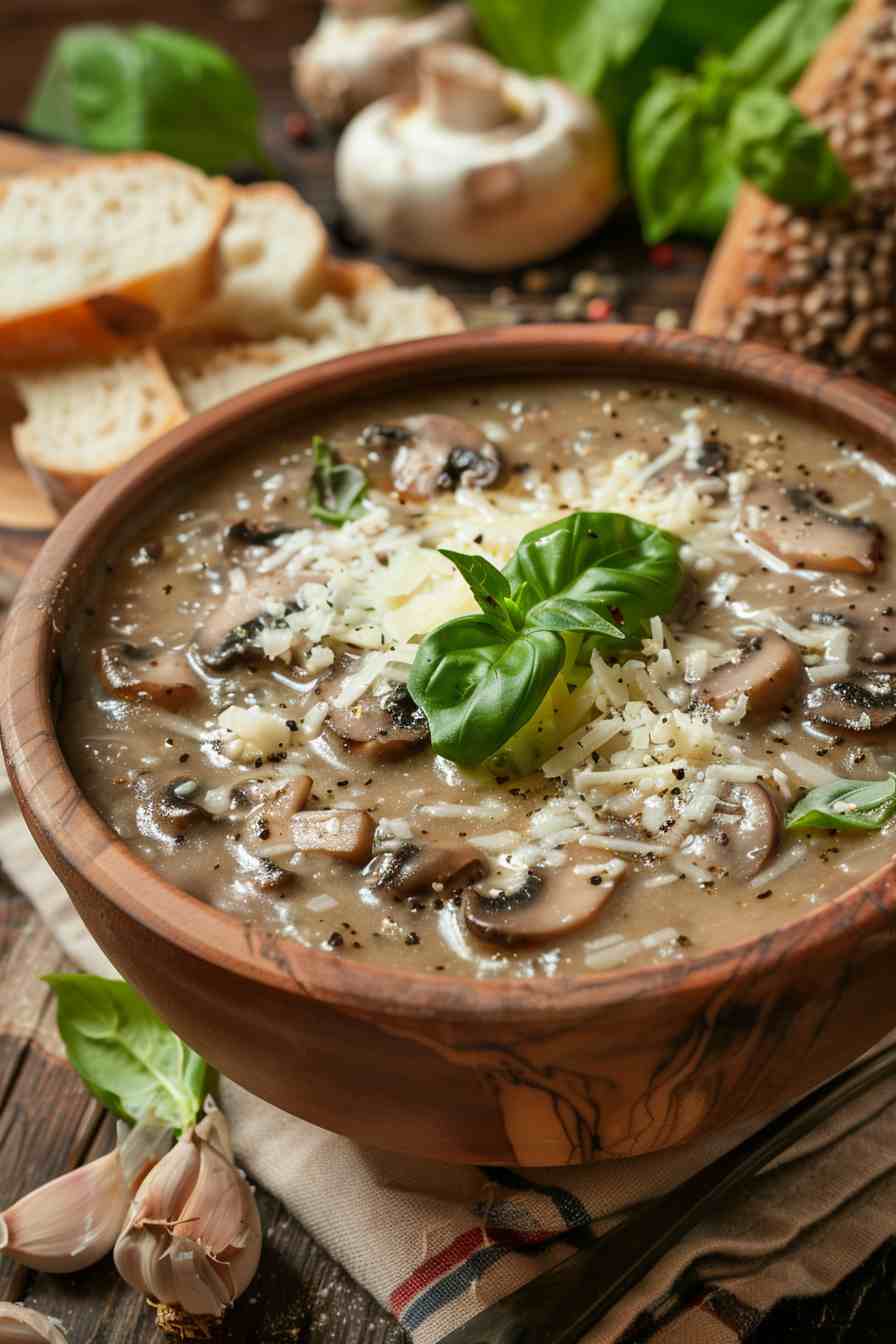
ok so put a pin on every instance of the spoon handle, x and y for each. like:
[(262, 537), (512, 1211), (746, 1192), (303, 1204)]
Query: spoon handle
[(559, 1306)]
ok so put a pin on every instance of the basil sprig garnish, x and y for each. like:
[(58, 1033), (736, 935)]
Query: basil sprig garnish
[(845, 805), (591, 580), (337, 488)]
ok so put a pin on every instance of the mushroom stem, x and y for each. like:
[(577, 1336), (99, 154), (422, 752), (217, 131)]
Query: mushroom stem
[(463, 89)]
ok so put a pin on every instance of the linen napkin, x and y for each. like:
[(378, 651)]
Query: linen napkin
[(436, 1244)]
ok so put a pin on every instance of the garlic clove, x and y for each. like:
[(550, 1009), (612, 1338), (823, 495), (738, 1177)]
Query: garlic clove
[(192, 1238), (73, 1221), (22, 1325)]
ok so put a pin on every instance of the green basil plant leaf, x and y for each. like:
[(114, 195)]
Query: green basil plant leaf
[(336, 489), (478, 686), (668, 155), (779, 48), (605, 561), (488, 585), (480, 679), (845, 805), (148, 88), (131, 1062), (782, 153)]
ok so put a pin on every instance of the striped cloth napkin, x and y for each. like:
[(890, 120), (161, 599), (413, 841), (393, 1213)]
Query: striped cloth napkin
[(437, 1244)]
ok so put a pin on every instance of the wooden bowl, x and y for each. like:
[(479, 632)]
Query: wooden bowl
[(534, 1072)]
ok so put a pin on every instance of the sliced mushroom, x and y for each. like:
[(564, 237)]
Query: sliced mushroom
[(346, 835), (767, 672), (232, 631), (171, 808), (742, 835), (790, 522), (419, 868), (248, 533), (361, 52), (483, 169), (271, 821), (864, 704), (435, 452), (708, 466), (381, 728), (542, 907), (131, 673)]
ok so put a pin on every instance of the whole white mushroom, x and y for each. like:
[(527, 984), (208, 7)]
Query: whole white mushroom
[(365, 49), (481, 169)]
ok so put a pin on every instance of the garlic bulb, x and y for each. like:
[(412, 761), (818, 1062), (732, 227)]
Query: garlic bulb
[(192, 1240), (21, 1325), (73, 1221)]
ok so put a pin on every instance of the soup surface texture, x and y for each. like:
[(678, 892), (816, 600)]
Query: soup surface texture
[(236, 692)]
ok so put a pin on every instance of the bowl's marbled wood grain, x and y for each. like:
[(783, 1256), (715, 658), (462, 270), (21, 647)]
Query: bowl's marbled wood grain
[(534, 1072)]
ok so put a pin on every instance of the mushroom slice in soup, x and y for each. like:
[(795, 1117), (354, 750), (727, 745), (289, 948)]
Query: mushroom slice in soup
[(742, 835), (423, 867), (346, 835), (131, 673), (271, 821), (381, 727), (249, 533), (436, 452), (541, 907), (767, 672), (791, 523), (706, 468), (170, 808), (232, 632), (863, 704)]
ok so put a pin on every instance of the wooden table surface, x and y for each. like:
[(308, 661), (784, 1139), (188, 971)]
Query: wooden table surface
[(47, 1121)]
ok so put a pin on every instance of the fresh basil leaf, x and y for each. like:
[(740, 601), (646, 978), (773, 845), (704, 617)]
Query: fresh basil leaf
[(131, 1062), (717, 27), (336, 489), (778, 49), (602, 560), (667, 155), (783, 154), (487, 584), (518, 32), (478, 687), (591, 37), (568, 616), (148, 88), (845, 805)]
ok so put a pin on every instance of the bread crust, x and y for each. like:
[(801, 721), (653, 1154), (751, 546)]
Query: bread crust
[(105, 320), (747, 288)]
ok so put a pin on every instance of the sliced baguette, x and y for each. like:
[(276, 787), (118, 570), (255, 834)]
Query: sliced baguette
[(340, 323), (823, 284), (84, 420), (273, 265), (98, 253)]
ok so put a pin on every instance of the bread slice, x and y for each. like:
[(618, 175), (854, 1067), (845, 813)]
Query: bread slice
[(367, 311), (84, 420), (273, 265), (823, 283), (103, 251)]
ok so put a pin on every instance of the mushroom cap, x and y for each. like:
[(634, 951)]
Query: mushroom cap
[(542, 907), (742, 835), (360, 52), (485, 169)]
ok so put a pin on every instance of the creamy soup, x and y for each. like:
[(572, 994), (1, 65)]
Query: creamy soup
[(612, 787)]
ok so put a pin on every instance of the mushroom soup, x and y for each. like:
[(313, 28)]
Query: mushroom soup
[(539, 678)]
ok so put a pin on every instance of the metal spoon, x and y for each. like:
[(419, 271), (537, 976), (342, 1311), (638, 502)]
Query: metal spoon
[(560, 1306)]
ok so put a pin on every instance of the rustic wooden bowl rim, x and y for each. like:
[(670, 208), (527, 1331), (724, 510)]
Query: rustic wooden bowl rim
[(74, 836)]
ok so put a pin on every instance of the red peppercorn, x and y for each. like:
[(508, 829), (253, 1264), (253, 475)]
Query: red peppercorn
[(598, 310), (662, 256), (297, 127)]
